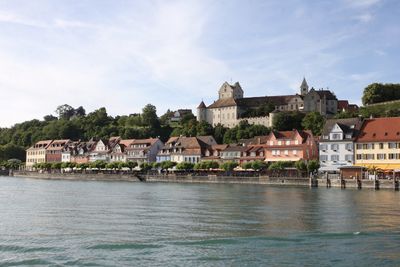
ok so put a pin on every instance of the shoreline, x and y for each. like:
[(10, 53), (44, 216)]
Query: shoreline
[(211, 179)]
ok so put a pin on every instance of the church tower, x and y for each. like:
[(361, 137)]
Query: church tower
[(304, 87)]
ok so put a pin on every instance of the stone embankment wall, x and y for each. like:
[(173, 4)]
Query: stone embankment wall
[(78, 176), (353, 183), (227, 179)]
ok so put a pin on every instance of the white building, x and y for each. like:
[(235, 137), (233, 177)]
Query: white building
[(336, 147)]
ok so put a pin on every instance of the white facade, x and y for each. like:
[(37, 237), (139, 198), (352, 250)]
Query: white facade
[(336, 150), (66, 156)]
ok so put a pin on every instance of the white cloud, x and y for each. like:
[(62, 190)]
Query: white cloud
[(367, 17), (362, 3)]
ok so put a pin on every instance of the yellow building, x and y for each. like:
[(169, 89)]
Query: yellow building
[(37, 153), (378, 144)]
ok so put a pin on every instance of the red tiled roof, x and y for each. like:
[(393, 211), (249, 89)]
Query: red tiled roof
[(380, 129)]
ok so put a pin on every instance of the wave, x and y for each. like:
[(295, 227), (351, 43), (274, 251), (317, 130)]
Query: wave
[(121, 246)]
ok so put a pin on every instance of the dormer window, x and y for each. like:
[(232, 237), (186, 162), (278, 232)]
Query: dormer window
[(386, 134), (374, 135)]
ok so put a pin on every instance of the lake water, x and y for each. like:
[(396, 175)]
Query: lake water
[(74, 223)]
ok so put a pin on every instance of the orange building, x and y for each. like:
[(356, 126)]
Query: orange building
[(290, 146)]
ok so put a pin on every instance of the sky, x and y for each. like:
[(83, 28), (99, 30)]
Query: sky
[(123, 55)]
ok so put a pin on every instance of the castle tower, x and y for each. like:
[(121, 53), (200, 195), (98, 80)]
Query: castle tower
[(304, 87), (202, 112), (230, 91)]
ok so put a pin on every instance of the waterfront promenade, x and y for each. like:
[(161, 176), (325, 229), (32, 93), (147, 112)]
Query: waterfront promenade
[(203, 177)]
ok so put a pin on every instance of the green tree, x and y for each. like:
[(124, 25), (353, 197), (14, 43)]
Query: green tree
[(65, 111), (149, 116), (185, 166), (229, 165), (314, 121), (168, 164), (259, 165), (301, 166), (313, 165), (287, 121), (377, 92)]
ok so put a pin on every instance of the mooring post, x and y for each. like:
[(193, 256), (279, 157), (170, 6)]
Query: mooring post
[(376, 184), (342, 183), (359, 183)]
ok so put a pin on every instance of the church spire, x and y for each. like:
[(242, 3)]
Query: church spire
[(304, 87)]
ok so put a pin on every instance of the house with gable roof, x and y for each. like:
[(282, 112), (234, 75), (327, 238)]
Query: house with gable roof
[(143, 150), (378, 144), (336, 145), (290, 146), (186, 149), (37, 153)]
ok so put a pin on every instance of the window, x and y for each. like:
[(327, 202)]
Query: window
[(334, 157), (381, 156), (336, 136), (271, 143), (323, 147), (348, 157), (279, 143), (287, 142), (392, 145), (334, 147), (394, 156), (349, 147), (286, 152), (380, 145), (323, 157), (359, 146), (294, 152), (371, 146), (296, 142)]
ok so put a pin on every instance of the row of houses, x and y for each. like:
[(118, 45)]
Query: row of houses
[(344, 143), (112, 150), (277, 146), (360, 144)]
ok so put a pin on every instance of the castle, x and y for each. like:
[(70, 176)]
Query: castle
[(232, 107)]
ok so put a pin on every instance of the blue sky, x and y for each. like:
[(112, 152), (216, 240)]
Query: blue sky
[(124, 54)]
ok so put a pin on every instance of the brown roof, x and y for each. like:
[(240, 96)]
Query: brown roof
[(380, 129), (235, 148), (224, 102), (150, 141), (126, 142), (278, 100), (207, 139), (202, 105)]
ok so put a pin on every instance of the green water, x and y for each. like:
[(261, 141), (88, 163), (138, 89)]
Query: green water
[(71, 223)]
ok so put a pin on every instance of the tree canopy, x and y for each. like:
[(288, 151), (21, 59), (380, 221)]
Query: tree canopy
[(378, 92)]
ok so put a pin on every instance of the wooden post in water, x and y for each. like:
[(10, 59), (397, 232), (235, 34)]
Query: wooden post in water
[(376, 184), (342, 183), (359, 183), (328, 181)]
